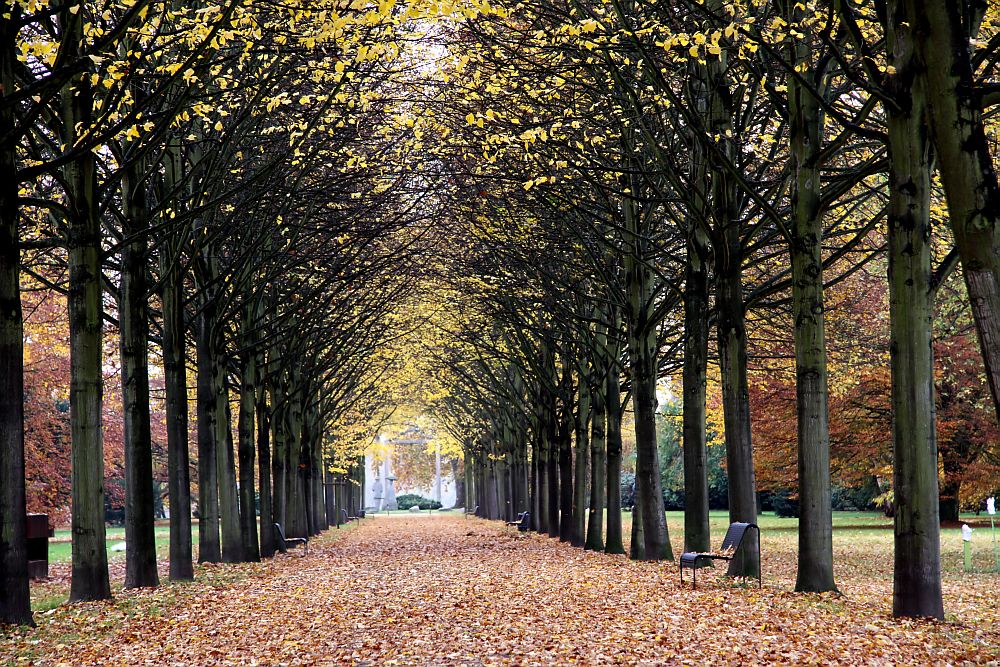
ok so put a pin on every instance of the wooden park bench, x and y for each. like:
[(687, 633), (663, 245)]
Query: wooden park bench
[(730, 545), (523, 522), (285, 542)]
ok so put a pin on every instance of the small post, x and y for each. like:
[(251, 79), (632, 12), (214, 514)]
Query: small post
[(991, 509), (967, 546)]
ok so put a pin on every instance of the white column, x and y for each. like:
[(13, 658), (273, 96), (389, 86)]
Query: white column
[(437, 468)]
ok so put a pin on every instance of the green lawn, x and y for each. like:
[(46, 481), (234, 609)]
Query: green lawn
[(866, 536), (60, 547)]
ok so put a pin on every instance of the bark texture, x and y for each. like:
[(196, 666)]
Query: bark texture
[(15, 602), (917, 562)]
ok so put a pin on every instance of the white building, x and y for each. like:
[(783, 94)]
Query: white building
[(377, 490)]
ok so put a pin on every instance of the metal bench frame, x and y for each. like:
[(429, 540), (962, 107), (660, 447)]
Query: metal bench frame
[(734, 540), (523, 522), (285, 542)]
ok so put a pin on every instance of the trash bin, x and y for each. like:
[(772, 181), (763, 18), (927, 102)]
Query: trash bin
[(39, 533)]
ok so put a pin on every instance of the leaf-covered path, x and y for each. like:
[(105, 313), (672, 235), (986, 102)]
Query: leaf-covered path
[(446, 590)]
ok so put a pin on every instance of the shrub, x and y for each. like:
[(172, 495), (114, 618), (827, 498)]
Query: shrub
[(784, 505), (408, 500), (628, 489)]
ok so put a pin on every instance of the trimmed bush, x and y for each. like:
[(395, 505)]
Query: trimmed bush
[(408, 500)]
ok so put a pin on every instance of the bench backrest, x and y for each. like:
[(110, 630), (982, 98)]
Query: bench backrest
[(279, 533), (735, 534)]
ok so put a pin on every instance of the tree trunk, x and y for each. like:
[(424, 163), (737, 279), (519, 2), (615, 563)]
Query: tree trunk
[(267, 516), (598, 473), (501, 478), (329, 497), (580, 463), (736, 408), (697, 536), (806, 120), (247, 452), (229, 502), (209, 544), (566, 523), (176, 391), (541, 466), (492, 495), (967, 168), (642, 353), (613, 543), (15, 603), (316, 481), (459, 477), (637, 541), (297, 519), (140, 557), (552, 468), (175, 381), (90, 557), (917, 570), (279, 472)]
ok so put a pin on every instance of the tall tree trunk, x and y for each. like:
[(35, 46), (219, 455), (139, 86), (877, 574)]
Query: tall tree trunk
[(15, 603), (459, 477), (507, 446), (90, 557), (566, 523), (229, 502), (598, 472), (725, 212), (967, 169), (247, 452), (209, 544), (175, 385), (492, 503), (279, 487), (552, 468), (580, 463), (297, 526), (613, 543), (736, 409), (917, 567), (267, 516), (140, 557), (637, 541), (697, 536), (316, 474), (542, 465), (806, 120), (500, 481), (642, 352), (329, 497)]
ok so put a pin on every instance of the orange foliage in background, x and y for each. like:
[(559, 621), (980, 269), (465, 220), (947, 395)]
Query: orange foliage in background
[(860, 386), (47, 409)]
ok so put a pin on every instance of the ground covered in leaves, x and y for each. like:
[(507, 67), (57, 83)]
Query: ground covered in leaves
[(444, 590)]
